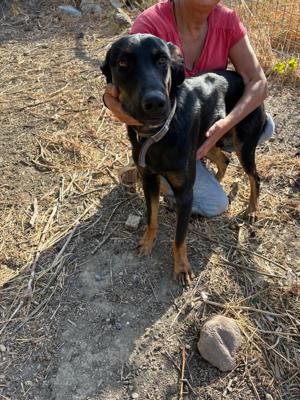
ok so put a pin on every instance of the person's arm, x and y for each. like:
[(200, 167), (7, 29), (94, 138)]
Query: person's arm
[(246, 64)]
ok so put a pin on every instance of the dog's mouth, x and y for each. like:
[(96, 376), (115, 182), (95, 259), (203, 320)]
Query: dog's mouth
[(155, 122), (151, 119)]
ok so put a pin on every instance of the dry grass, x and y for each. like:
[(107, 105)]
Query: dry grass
[(69, 162), (274, 30)]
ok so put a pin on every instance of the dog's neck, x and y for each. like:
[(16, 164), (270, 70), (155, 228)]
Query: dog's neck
[(153, 136)]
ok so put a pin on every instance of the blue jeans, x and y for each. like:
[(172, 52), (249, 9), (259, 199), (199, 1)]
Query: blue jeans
[(210, 199)]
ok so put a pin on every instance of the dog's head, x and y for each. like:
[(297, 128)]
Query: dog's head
[(146, 70)]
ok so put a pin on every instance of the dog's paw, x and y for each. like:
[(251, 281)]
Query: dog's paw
[(147, 242), (184, 276), (251, 215)]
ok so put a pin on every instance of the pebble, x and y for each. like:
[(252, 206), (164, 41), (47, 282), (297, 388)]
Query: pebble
[(70, 10), (98, 277), (118, 326), (133, 221), (116, 3), (2, 348), (122, 18), (88, 7), (134, 395), (220, 338)]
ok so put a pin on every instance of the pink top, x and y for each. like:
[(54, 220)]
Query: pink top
[(224, 31)]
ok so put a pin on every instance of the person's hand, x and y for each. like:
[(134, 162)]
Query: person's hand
[(215, 132), (111, 100)]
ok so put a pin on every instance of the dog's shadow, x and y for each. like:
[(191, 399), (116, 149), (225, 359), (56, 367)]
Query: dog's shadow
[(132, 314)]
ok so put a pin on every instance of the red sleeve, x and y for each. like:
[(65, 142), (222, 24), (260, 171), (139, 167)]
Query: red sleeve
[(143, 24), (238, 30)]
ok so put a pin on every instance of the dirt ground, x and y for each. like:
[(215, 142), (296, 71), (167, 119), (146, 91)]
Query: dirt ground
[(82, 315)]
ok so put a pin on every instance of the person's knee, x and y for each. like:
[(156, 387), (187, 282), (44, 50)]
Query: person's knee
[(212, 207)]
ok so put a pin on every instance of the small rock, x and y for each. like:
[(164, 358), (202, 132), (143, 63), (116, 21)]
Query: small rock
[(134, 395), (122, 18), (80, 35), (130, 387), (118, 326), (133, 221), (98, 277), (220, 338), (88, 7), (116, 4), (70, 10), (268, 396), (2, 348)]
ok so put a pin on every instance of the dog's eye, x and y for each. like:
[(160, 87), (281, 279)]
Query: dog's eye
[(162, 60), (123, 64)]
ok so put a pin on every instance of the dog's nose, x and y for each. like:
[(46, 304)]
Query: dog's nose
[(154, 102)]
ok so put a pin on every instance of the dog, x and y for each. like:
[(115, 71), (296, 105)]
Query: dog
[(175, 114)]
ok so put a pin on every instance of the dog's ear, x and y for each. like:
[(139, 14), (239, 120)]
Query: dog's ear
[(105, 67), (177, 65)]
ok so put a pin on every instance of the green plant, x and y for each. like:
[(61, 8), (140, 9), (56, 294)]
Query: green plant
[(288, 66)]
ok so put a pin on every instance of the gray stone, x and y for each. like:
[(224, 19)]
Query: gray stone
[(133, 221), (220, 338), (70, 10), (88, 7), (2, 348), (122, 18), (116, 4)]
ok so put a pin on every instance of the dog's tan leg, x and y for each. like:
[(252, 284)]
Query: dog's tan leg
[(253, 208), (182, 271), (220, 159)]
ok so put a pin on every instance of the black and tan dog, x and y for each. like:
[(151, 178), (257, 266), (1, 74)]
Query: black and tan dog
[(176, 113)]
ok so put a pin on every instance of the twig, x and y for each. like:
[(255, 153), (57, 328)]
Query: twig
[(61, 190), (254, 388), (153, 291), (32, 314), (12, 316), (114, 210), (242, 249), (166, 354), (35, 212), (228, 307), (189, 385), (103, 241), (91, 191), (186, 302), (182, 380), (29, 291), (235, 265), (59, 260)]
